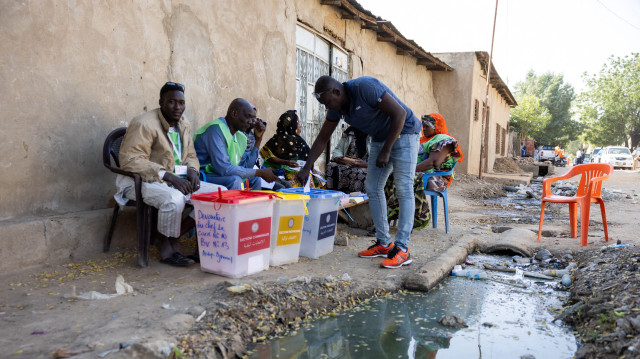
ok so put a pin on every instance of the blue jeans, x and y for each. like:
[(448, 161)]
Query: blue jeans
[(402, 161), (234, 182)]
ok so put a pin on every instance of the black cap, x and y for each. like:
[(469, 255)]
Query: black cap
[(171, 86)]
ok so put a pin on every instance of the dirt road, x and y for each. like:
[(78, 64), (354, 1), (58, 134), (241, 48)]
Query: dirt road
[(40, 315)]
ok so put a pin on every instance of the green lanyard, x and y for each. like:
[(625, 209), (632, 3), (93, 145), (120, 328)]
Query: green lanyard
[(174, 137)]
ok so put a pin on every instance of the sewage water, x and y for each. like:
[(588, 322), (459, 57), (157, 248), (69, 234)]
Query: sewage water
[(503, 321)]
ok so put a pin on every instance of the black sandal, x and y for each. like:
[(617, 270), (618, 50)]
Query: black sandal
[(195, 257), (177, 260)]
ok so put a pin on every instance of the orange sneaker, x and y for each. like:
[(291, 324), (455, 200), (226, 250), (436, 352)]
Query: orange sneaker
[(376, 250), (396, 258)]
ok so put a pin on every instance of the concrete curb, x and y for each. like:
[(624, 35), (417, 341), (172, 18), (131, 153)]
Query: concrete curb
[(433, 272)]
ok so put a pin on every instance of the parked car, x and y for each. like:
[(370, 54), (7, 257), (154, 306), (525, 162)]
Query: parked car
[(617, 157), (595, 155), (587, 158), (547, 153)]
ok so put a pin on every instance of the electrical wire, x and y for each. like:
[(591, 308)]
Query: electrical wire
[(618, 16)]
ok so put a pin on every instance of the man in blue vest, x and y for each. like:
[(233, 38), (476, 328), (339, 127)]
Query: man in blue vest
[(221, 148), (369, 105)]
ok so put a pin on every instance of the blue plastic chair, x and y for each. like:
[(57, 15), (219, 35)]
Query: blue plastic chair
[(434, 198)]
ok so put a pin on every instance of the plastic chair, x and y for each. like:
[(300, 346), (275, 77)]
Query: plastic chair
[(434, 198), (592, 175), (146, 215)]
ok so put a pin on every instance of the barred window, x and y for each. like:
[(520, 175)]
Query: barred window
[(476, 108), (498, 138)]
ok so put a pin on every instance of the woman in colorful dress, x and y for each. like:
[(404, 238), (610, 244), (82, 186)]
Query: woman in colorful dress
[(286, 151), (438, 152)]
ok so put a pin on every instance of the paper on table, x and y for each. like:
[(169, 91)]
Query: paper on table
[(307, 186), (266, 184)]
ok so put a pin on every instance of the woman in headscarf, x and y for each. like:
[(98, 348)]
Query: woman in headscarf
[(348, 168), (283, 151), (438, 152)]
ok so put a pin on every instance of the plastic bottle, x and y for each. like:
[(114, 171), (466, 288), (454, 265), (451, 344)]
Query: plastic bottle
[(458, 271), (571, 265), (615, 246), (519, 275), (555, 272), (566, 279), (476, 274)]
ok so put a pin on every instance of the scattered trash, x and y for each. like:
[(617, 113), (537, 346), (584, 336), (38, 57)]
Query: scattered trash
[(302, 279), (521, 260), (469, 273), (346, 277), (38, 332), (614, 246), (517, 285), (121, 288), (237, 289), (488, 325), (452, 321), (168, 306), (295, 294), (566, 279), (512, 270), (555, 272), (519, 275), (199, 318), (543, 254), (567, 257), (530, 194), (568, 311)]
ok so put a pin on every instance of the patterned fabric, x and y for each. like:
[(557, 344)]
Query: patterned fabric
[(441, 129), (422, 215), (286, 144), (346, 178), (435, 144), (428, 145)]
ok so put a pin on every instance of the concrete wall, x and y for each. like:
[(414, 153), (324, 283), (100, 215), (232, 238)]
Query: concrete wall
[(456, 93), (72, 72)]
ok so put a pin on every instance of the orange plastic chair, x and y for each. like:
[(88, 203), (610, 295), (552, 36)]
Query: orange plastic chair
[(592, 175)]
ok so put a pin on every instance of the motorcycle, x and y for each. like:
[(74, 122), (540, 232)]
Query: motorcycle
[(560, 161)]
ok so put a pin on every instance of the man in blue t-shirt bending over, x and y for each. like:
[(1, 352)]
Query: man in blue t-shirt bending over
[(368, 105)]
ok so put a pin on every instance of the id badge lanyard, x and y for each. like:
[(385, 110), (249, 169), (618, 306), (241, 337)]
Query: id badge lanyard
[(177, 150)]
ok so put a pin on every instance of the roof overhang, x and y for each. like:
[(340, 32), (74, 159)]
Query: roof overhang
[(496, 81), (386, 32)]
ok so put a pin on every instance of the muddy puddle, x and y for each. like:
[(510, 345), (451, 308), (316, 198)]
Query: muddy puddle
[(504, 321)]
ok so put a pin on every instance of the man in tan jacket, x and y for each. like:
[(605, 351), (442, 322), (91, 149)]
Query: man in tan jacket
[(158, 146)]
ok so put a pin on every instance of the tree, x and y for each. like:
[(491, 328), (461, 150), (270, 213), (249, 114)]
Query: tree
[(529, 118), (610, 108), (556, 96)]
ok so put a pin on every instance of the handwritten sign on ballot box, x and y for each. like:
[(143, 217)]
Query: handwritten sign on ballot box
[(234, 231)]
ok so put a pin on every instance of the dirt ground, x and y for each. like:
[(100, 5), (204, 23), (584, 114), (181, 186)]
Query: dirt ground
[(205, 315)]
